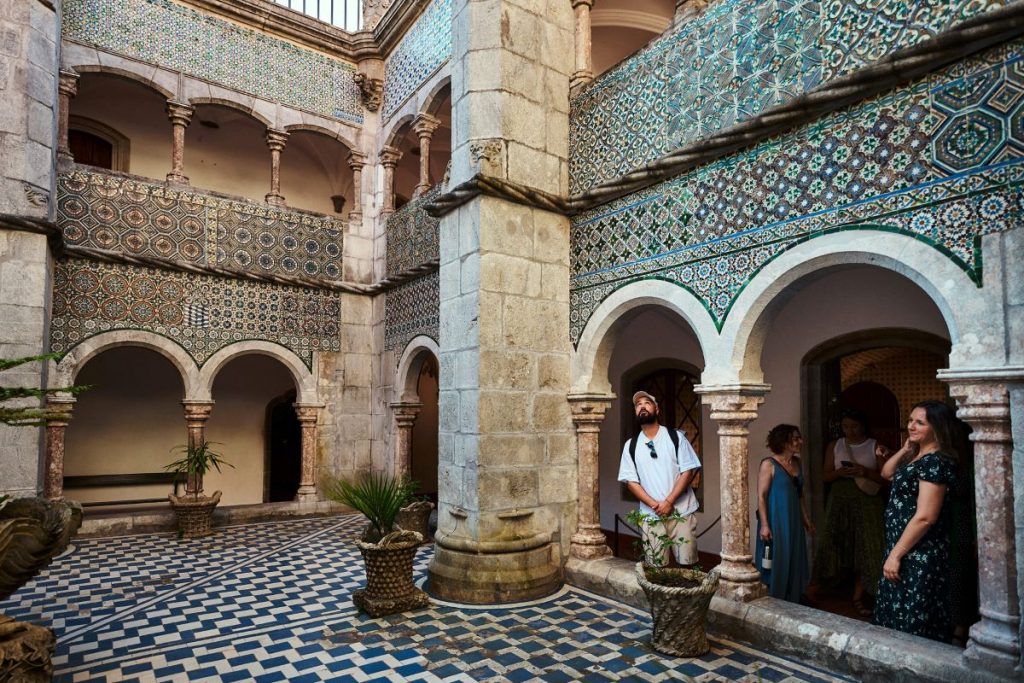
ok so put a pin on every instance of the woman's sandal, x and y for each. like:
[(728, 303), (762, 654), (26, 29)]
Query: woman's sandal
[(861, 608)]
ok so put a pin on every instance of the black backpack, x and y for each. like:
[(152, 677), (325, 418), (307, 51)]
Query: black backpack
[(674, 435)]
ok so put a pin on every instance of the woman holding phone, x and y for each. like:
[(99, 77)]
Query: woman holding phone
[(914, 593), (851, 543)]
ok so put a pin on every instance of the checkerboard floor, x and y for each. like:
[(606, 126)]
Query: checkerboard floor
[(271, 602)]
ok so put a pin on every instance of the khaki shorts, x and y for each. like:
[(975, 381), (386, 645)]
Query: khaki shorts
[(685, 550)]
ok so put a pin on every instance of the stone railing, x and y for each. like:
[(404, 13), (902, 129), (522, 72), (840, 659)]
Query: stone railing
[(137, 217), (412, 234)]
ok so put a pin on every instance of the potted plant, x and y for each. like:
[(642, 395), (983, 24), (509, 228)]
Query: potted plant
[(414, 515), (193, 510), (679, 597), (387, 550)]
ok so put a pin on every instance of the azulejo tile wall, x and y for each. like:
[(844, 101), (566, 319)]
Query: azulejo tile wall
[(941, 160), (132, 216), (732, 63), (180, 38), (203, 313), (412, 234), (412, 309), (426, 46)]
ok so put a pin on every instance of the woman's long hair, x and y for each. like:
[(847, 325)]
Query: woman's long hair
[(944, 423)]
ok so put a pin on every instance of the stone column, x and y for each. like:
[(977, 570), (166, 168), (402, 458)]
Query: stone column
[(994, 642), (424, 127), (196, 415), (67, 88), (356, 161), (275, 142), (389, 158), (733, 408), (506, 462), (60, 408), (308, 414), (584, 72), (405, 418), (588, 411), (180, 115)]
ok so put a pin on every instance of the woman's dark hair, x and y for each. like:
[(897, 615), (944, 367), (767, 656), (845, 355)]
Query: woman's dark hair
[(779, 436), (944, 423), (857, 416)]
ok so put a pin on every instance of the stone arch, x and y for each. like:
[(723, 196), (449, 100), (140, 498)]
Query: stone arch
[(432, 100), (593, 354), (320, 130), (974, 323), (238, 105), (399, 127), (416, 353), (74, 360), (126, 72), (305, 381)]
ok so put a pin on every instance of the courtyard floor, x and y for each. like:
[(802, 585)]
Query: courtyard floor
[(271, 602)]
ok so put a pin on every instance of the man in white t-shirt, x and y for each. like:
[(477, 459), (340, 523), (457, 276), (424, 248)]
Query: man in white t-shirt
[(659, 475)]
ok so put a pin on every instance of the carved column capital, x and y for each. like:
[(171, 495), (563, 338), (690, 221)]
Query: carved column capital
[(371, 90), (67, 83), (197, 411), (389, 156), (276, 139), (735, 405), (425, 124), (179, 113), (584, 3), (405, 412), (356, 160), (588, 410)]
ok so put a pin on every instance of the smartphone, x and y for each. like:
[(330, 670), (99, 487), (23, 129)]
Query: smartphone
[(846, 463)]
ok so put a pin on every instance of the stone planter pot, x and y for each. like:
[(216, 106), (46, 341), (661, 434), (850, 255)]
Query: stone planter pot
[(679, 601), (195, 515), (416, 517), (389, 587)]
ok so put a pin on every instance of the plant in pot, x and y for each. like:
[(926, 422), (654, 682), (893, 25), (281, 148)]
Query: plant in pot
[(679, 597), (414, 515), (387, 550), (194, 511)]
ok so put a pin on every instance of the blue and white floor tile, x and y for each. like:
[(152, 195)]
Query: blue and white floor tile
[(271, 602)]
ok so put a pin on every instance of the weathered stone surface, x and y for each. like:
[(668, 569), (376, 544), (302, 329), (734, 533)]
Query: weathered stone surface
[(25, 652)]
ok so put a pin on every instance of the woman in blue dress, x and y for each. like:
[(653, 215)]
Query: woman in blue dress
[(914, 592), (782, 519)]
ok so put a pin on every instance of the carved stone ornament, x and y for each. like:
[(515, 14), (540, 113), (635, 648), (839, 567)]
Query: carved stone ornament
[(488, 156), (371, 90), (35, 197)]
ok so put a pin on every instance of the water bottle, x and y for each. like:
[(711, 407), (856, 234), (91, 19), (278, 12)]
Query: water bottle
[(766, 559)]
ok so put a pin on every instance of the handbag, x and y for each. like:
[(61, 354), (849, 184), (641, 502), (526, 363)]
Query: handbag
[(866, 485)]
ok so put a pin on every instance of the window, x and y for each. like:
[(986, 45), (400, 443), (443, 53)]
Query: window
[(345, 14)]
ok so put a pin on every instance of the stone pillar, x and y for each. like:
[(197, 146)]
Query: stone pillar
[(308, 413), (506, 462), (60, 408), (67, 88), (424, 127), (275, 142), (356, 161), (196, 415), (389, 158), (584, 72), (994, 642), (588, 411), (180, 115), (405, 418), (733, 408)]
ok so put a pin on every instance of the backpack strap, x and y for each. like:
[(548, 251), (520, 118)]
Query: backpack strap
[(672, 434)]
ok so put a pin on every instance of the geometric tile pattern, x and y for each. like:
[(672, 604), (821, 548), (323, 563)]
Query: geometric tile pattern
[(412, 309), (272, 602), (203, 313), (145, 218), (875, 165), (730, 64), (183, 39), (412, 234), (422, 50)]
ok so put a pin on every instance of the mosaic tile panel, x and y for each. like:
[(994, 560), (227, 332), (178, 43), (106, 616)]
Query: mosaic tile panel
[(426, 46), (879, 165), (729, 65), (203, 313), (132, 216), (180, 38), (413, 234), (412, 309)]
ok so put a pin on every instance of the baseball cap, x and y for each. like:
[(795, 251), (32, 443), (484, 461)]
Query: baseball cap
[(643, 394)]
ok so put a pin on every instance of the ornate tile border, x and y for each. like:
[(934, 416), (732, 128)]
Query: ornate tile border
[(412, 309), (180, 38), (426, 46)]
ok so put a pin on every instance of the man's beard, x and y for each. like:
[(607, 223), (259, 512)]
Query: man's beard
[(647, 419)]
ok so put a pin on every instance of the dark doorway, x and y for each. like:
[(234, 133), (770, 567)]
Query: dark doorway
[(880, 406), (90, 149), (284, 450)]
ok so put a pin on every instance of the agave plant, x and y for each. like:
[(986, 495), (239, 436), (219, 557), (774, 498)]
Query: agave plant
[(196, 461), (378, 496)]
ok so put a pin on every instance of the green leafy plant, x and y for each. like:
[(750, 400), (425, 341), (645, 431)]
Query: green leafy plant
[(652, 545), (378, 496), (28, 416), (195, 462)]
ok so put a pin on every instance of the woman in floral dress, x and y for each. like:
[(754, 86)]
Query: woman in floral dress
[(914, 594)]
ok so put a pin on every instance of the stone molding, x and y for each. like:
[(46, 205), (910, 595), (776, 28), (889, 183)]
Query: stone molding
[(491, 186)]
